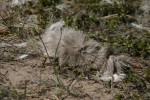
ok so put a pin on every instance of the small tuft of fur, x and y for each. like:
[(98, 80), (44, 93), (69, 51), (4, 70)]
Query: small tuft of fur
[(117, 67)]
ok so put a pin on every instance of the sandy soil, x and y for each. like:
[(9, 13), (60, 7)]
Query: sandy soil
[(40, 82), (35, 80)]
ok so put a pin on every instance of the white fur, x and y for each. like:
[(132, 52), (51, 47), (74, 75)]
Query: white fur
[(18, 2), (53, 35), (117, 77), (112, 1)]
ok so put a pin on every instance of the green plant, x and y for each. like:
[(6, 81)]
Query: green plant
[(47, 3)]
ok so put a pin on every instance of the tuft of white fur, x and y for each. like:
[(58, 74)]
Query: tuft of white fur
[(18, 2), (51, 38), (145, 6), (117, 77), (112, 1), (62, 6), (117, 66)]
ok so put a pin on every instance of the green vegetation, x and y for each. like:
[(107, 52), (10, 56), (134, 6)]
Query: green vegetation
[(105, 23), (8, 94)]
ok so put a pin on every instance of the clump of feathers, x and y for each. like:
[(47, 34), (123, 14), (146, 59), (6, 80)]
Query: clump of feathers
[(73, 49)]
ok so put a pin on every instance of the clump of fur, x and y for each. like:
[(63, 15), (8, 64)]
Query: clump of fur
[(73, 49), (117, 68)]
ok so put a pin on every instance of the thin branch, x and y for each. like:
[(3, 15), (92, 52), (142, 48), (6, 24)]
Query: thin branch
[(44, 46), (25, 89)]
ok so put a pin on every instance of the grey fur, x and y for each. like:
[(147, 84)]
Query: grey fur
[(75, 50)]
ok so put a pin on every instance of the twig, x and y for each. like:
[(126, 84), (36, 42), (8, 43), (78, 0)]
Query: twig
[(19, 32), (55, 97), (113, 16), (70, 83), (44, 46), (58, 43), (3, 20), (25, 89)]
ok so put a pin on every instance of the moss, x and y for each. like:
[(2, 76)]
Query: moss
[(88, 19), (47, 3), (118, 96), (9, 94)]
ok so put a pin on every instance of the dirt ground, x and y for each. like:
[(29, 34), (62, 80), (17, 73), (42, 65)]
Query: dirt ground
[(34, 80), (40, 82)]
